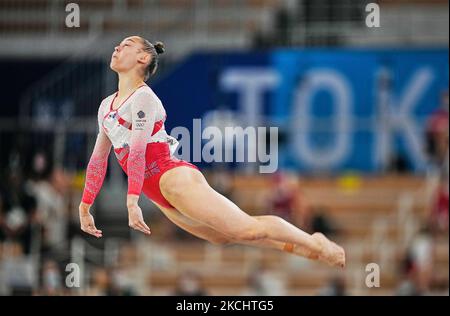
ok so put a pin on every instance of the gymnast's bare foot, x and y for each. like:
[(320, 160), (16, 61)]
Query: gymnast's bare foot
[(330, 253)]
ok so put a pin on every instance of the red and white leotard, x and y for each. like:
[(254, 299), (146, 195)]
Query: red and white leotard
[(143, 148)]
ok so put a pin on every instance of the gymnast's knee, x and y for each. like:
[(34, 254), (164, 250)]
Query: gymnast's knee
[(255, 232)]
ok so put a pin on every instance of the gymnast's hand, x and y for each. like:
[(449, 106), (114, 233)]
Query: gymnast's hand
[(87, 221), (135, 218)]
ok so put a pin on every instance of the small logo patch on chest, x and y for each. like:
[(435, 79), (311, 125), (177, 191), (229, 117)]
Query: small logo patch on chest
[(141, 114)]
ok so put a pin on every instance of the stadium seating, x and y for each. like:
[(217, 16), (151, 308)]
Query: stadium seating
[(355, 214)]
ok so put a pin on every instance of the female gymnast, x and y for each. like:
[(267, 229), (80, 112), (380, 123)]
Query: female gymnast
[(132, 122)]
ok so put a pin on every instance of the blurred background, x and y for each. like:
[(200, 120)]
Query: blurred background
[(362, 117)]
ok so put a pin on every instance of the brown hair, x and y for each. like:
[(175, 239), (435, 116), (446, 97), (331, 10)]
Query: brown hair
[(154, 50)]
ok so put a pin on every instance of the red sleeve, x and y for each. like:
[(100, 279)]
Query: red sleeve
[(96, 169), (95, 174)]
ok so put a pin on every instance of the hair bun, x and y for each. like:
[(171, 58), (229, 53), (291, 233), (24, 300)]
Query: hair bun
[(159, 47)]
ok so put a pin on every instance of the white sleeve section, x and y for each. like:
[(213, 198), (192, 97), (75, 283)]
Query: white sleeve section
[(143, 117)]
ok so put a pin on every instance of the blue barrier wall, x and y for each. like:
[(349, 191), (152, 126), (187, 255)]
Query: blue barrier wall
[(336, 109)]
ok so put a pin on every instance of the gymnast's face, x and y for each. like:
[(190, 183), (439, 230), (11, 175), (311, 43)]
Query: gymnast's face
[(129, 55)]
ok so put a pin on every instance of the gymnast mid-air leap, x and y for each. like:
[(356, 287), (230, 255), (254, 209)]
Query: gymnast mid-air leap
[(132, 121)]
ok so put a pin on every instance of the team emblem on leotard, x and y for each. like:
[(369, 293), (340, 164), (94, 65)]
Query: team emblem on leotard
[(151, 170), (141, 114)]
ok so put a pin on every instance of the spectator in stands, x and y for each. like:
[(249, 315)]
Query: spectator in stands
[(2, 215), (398, 164), (283, 24), (51, 193), (17, 270), (437, 133), (102, 283), (51, 279), (282, 200), (408, 284), (320, 222), (40, 166), (277, 31), (302, 213), (439, 210), (221, 178), (99, 282), (289, 202), (189, 284), (335, 287), (122, 282), (421, 252), (265, 282), (17, 212)]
